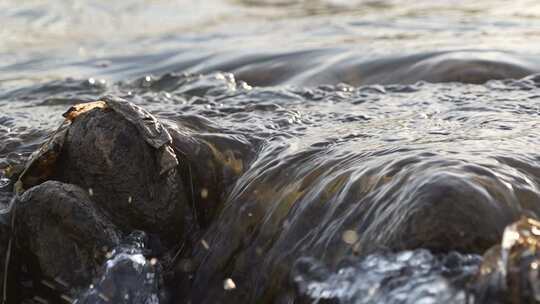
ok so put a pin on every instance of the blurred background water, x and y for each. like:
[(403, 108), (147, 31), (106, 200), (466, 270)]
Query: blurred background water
[(43, 40)]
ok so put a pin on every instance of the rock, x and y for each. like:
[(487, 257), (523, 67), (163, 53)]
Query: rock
[(127, 168), (41, 164), (61, 234), (7, 258), (321, 205), (510, 272)]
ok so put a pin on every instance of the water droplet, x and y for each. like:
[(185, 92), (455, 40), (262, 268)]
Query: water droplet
[(90, 192), (61, 282), (48, 284), (350, 237), (205, 244), (104, 297), (40, 300), (67, 298), (204, 193), (229, 284), (91, 81), (130, 199)]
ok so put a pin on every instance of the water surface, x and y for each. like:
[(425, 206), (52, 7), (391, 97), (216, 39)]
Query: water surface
[(376, 99)]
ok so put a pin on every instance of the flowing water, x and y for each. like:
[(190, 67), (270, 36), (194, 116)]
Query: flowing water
[(390, 105)]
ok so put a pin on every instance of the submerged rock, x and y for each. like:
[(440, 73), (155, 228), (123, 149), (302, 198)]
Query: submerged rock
[(318, 202)]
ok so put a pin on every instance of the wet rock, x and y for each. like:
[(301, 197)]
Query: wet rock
[(119, 154), (317, 204), (8, 267), (41, 164), (442, 211), (61, 234), (510, 272)]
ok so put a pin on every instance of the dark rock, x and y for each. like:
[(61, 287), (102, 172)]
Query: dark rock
[(61, 234), (109, 156), (8, 261)]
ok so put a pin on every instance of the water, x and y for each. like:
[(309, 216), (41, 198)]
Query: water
[(335, 104), (407, 277), (128, 277)]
